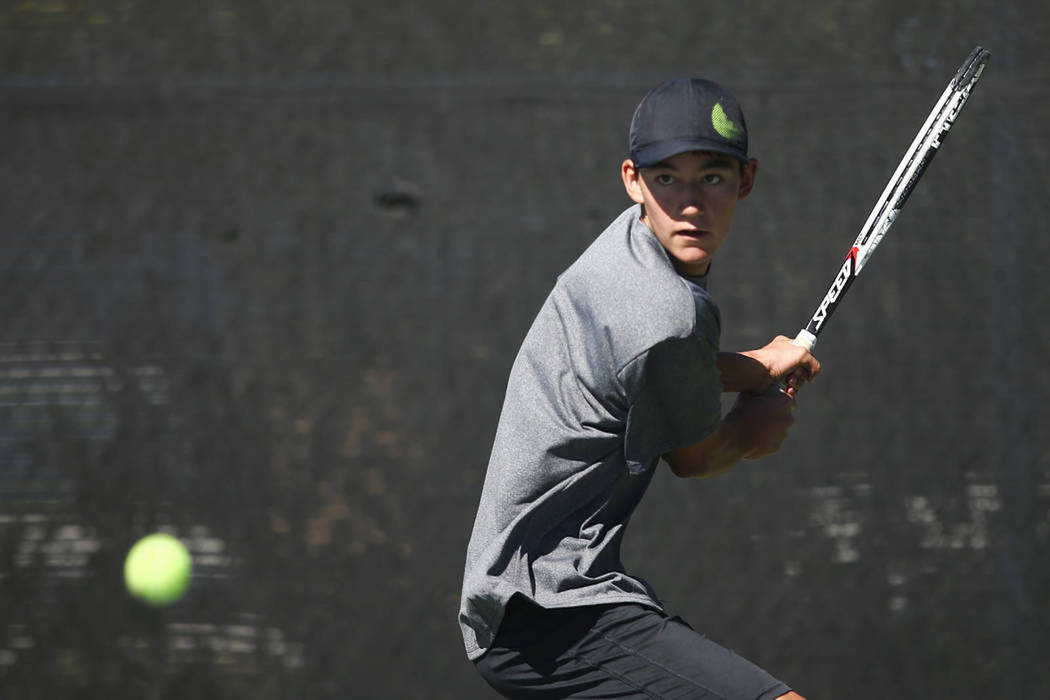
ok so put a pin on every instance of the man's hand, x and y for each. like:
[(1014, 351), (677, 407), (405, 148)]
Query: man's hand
[(761, 422), (782, 358)]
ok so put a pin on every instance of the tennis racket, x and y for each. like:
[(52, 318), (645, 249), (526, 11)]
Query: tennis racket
[(918, 156)]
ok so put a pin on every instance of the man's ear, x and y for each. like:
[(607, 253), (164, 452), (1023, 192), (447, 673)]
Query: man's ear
[(632, 181), (747, 178)]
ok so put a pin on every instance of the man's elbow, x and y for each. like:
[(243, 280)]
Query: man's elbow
[(701, 461), (684, 467)]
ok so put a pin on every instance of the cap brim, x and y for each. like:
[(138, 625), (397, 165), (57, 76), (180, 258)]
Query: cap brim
[(649, 156)]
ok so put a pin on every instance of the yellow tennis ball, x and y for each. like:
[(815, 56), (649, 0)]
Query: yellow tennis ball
[(157, 569)]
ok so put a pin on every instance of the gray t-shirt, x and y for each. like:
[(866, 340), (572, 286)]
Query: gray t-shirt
[(617, 369)]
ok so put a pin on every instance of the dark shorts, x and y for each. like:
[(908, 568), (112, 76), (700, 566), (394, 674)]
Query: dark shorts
[(614, 651)]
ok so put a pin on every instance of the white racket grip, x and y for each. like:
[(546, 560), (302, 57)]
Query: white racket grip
[(806, 340)]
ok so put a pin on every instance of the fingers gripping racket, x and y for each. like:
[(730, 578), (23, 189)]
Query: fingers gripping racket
[(912, 166)]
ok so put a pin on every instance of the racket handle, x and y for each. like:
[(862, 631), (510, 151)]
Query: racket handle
[(804, 339)]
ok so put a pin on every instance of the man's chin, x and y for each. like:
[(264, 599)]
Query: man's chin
[(692, 265)]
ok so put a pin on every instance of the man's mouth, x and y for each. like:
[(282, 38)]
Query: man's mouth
[(692, 233)]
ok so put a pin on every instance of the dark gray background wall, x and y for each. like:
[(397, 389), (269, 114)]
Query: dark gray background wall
[(264, 268)]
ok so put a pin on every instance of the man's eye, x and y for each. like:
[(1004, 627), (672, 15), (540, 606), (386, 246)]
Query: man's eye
[(713, 179), (664, 179)]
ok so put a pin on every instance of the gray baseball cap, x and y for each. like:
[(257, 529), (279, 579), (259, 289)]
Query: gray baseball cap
[(687, 114)]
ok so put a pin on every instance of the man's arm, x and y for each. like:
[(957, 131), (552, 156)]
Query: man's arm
[(755, 370), (741, 372), (716, 454), (756, 426), (758, 422)]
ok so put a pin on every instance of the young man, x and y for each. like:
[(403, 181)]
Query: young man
[(621, 368)]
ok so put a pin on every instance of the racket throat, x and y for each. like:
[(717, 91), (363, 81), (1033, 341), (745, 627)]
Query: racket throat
[(847, 273)]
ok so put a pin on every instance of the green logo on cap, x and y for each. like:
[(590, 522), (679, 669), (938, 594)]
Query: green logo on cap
[(725, 126)]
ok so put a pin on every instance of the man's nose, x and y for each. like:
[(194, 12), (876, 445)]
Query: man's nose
[(692, 202)]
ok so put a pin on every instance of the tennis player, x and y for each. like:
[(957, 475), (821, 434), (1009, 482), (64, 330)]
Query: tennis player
[(621, 368)]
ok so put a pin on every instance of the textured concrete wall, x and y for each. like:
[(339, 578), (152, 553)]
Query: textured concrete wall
[(264, 268)]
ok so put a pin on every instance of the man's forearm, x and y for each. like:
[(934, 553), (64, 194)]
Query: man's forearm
[(753, 371), (740, 372), (716, 454)]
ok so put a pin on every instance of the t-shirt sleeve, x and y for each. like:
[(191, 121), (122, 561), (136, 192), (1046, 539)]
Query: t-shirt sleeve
[(674, 392)]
